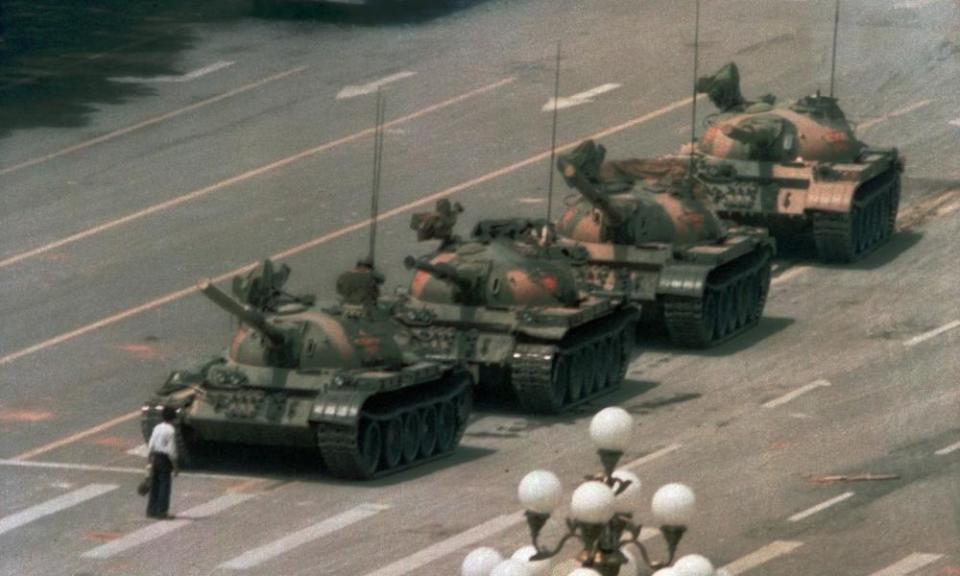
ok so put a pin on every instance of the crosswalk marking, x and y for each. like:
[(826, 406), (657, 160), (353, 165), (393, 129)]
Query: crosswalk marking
[(820, 507), (908, 565), (53, 506), (763, 555), (450, 545), (259, 555), (158, 529)]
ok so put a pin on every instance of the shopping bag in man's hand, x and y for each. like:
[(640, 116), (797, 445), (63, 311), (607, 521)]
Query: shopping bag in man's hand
[(143, 488)]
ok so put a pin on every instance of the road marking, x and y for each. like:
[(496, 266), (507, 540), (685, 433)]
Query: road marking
[(158, 529), (819, 507), (53, 506), (789, 274), (911, 4), (931, 334), (141, 451), (370, 88), (149, 122), (955, 122), (908, 565), (948, 449), (325, 238), (899, 112), (798, 392), (258, 556), (200, 72), (652, 456), (450, 545), (78, 436), (772, 550), (578, 99), (113, 469), (190, 196)]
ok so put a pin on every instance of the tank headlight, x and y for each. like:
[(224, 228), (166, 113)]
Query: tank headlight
[(340, 380)]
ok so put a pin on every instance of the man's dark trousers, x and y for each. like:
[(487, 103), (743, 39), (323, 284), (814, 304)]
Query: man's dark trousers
[(158, 504)]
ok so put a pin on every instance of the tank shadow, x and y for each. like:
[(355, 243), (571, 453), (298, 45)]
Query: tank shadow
[(367, 16), (799, 251), (765, 328)]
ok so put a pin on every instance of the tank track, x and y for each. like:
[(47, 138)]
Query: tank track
[(846, 237), (733, 302), (537, 366), (339, 444)]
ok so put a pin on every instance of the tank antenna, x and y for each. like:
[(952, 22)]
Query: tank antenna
[(833, 57), (553, 135), (693, 115), (377, 163)]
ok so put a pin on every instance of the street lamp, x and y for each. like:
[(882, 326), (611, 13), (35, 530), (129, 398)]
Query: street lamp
[(601, 517)]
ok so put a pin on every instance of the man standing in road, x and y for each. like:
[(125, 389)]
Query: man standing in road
[(163, 462)]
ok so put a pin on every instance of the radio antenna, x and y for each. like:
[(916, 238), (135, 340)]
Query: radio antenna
[(696, 63), (553, 135), (833, 57), (377, 164)]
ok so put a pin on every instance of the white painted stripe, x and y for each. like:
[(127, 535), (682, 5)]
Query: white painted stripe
[(955, 122), (899, 112), (578, 99), (363, 89), (53, 506), (114, 469), (158, 529), (789, 274), (931, 334), (209, 69), (820, 507), (259, 555), (908, 565), (141, 451), (652, 456), (913, 4), (450, 545), (772, 550), (948, 449), (794, 394)]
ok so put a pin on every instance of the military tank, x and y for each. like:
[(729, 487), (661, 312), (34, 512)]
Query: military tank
[(508, 304), (347, 379), (648, 237), (798, 168)]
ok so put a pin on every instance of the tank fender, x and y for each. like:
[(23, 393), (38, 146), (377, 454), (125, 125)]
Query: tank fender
[(825, 196), (683, 280), (339, 406)]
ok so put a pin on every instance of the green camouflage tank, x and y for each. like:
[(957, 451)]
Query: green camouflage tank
[(798, 168), (347, 379), (508, 304), (648, 237)]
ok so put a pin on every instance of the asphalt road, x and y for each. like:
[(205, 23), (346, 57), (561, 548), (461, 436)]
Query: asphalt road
[(158, 147)]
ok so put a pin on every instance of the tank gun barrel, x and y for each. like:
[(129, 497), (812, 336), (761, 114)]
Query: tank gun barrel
[(444, 272), (575, 179), (245, 314)]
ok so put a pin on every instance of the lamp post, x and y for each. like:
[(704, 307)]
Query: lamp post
[(601, 518)]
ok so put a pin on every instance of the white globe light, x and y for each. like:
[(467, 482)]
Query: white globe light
[(630, 568), (674, 504), (540, 491), (592, 503), (480, 562), (584, 572), (534, 568), (611, 429), (693, 565), (511, 568), (629, 499)]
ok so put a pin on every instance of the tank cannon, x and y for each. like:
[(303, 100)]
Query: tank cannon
[(442, 271), (244, 313), (580, 170)]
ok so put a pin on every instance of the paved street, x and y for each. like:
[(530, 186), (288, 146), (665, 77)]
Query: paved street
[(176, 141)]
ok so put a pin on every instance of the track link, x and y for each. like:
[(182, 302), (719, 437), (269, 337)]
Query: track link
[(846, 237)]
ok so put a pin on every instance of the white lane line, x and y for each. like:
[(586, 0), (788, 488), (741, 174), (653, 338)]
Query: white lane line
[(259, 555), (158, 529), (200, 72), (819, 507), (450, 545), (578, 99), (913, 4), (113, 469), (363, 89), (53, 506), (789, 274), (652, 456), (931, 334), (152, 121), (899, 112), (772, 550), (948, 449), (798, 392), (77, 436), (908, 565), (955, 122), (142, 451)]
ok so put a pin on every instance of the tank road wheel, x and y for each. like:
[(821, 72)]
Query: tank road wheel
[(580, 374), (428, 431), (597, 376), (893, 204), (392, 442), (615, 365), (446, 426), (724, 307), (559, 382), (744, 301), (411, 436), (370, 444)]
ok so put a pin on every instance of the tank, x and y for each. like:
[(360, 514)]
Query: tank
[(649, 237), (798, 168), (508, 304), (347, 380)]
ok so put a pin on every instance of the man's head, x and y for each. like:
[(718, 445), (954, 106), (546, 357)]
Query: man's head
[(169, 413)]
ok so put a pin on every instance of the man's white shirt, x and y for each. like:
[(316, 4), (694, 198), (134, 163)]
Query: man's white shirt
[(163, 440)]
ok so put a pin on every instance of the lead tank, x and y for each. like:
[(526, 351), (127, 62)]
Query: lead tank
[(648, 237), (798, 168), (508, 304), (346, 379)]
